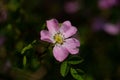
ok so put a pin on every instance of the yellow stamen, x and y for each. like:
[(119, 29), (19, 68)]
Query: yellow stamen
[(58, 38)]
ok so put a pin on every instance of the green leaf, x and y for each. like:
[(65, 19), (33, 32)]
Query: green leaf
[(13, 5), (75, 60), (75, 74), (34, 42), (24, 61), (64, 69), (26, 48), (35, 63), (80, 71), (43, 26)]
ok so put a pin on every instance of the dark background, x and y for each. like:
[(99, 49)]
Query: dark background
[(22, 20)]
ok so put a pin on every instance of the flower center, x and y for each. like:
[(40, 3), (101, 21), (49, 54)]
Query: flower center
[(59, 38)]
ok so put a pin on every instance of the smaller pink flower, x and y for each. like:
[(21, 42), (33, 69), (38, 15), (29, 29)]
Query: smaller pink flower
[(106, 4), (61, 36), (111, 29), (71, 7)]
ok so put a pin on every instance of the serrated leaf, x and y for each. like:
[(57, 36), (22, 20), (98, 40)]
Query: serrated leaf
[(64, 69), (75, 74), (24, 60)]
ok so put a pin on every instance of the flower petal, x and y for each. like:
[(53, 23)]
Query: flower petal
[(60, 53), (52, 25), (72, 45), (45, 36), (111, 29), (67, 29)]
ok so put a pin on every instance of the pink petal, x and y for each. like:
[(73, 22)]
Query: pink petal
[(72, 45), (111, 29), (72, 7), (67, 29), (45, 36), (52, 25), (68, 23), (112, 2), (103, 4), (65, 26), (60, 53)]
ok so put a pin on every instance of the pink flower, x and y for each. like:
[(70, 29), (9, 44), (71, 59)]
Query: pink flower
[(112, 29), (106, 4), (61, 37), (71, 7)]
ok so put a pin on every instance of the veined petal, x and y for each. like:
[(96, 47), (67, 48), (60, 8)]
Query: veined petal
[(60, 53), (67, 29), (52, 25), (45, 36), (65, 26), (72, 45), (68, 23)]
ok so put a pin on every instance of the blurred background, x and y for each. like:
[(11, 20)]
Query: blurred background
[(98, 24)]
